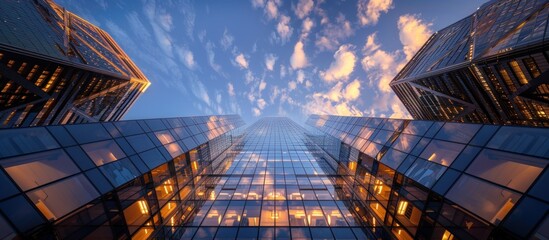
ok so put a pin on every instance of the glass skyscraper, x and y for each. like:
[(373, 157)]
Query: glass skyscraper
[(70, 169), (490, 67), (57, 68), (214, 178)]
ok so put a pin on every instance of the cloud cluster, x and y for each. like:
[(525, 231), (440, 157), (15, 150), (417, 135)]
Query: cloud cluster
[(242, 61), (304, 7), (230, 90), (413, 33), (339, 100), (299, 58), (342, 66), (270, 60), (369, 11), (333, 33), (283, 28), (382, 66)]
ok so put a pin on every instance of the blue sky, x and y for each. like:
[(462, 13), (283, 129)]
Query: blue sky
[(270, 57)]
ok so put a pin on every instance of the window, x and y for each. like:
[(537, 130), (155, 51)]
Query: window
[(482, 198), (442, 152), (511, 170), (103, 152), (518, 72), (458, 132), (58, 199), (34, 170), (21, 141)]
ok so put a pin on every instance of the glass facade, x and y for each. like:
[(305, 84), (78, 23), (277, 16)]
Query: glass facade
[(335, 178), (111, 180), (490, 67), (436, 180), (56, 68)]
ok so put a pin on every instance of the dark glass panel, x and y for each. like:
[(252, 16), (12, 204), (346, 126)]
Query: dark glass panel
[(417, 127), (7, 186), (532, 141), (21, 213), (61, 135), (80, 157), (128, 128), (526, 216), (119, 172), (393, 158), (58, 199), (103, 152), (487, 200), (140, 142), (86, 133), (442, 152), (21, 141), (99, 181), (484, 135), (152, 158), (507, 169), (446, 181), (465, 157), (406, 142), (30, 171), (458, 132), (112, 129)]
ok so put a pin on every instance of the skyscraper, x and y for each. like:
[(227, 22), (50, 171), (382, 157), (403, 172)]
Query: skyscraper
[(490, 67), (56, 68), (210, 177), (436, 180)]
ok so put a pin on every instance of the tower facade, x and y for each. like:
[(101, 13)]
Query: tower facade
[(490, 67), (57, 68), (210, 178), (441, 180)]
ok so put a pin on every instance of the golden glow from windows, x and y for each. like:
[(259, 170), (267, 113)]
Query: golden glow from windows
[(143, 207), (402, 205), (447, 235)]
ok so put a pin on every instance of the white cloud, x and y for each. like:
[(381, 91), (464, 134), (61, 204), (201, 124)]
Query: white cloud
[(226, 40), (211, 57), (308, 84), (370, 11), (333, 33), (187, 57), (343, 65), (261, 103), (298, 58), (306, 27), (282, 71), (258, 3), (318, 104), (242, 61), (323, 43), (413, 33), (371, 45), (270, 60), (249, 77), (256, 111), (339, 100), (230, 89), (300, 76), (292, 85), (165, 20), (262, 86), (352, 91), (283, 28), (381, 67), (303, 8), (271, 9)]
